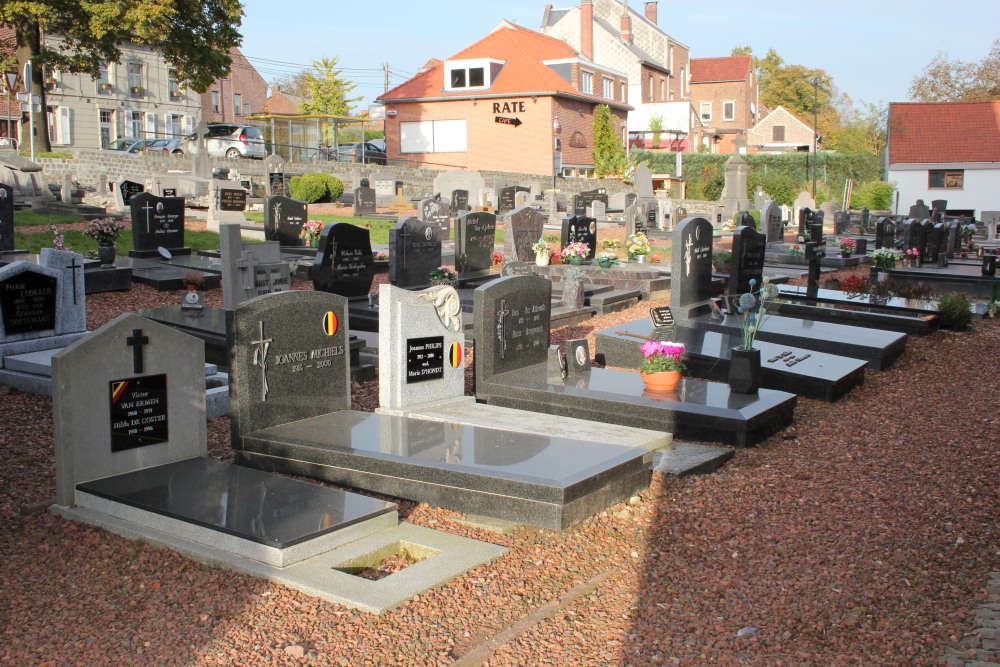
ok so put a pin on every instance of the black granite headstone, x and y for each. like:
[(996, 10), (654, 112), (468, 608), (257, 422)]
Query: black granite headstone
[(939, 206), (691, 265), (344, 264), (437, 212), (459, 201), (283, 220), (954, 238), (517, 312), (932, 244), (28, 302), (414, 251), (157, 222), (748, 259), (806, 218), (508, 197), (814, 255), (579, 207), (6, 217), (580, 229), (588, 197), (232, 200), (365, 201), (989, 265), (475, 237), (129, 189)]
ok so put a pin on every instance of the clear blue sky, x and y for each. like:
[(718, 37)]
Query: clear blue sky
[(872, 49)]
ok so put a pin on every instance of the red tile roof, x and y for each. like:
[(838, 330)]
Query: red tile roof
[(729, 68), (944, 132), (522, 51)]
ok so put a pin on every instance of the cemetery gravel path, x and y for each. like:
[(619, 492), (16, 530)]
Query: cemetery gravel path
[(864, 534)]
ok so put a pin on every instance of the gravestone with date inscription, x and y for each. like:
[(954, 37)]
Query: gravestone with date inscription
[(508, 197), (459, 201), (748, 260), (250, 269), (227, 203), (42, 306), (157, 222), (344, 264), (522, 228), (125, 190), (414, 251), (691, 268), (365, 201), (283, 220), (475, 238), (580, 229), (438, 212)]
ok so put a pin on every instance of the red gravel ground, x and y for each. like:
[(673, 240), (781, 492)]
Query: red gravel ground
[(861, 535)]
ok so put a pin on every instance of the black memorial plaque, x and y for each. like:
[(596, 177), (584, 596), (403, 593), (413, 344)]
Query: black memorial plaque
[(157, 222), (424, 359), (129, 189), (283, 220), (169, 192), (138, 408), (579, 229), (28, 302), (6, 217), (661, 317), (232, 200)]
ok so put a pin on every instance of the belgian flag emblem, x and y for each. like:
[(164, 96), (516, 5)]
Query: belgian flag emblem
[(330, 323), (455, 355)]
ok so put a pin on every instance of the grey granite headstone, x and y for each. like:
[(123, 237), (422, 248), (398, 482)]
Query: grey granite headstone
[(691, 267), (512, 318), (365, 202), (227, 203), (283, 220), (774, 226), (385, 190), (414, 251), (992, 220), (459, 179), (128, 397), (631, 218), (643, 180), (6, 217), (920, 210), (580, 229), (748, 259), (599, 210), (344, 264), (437, 212), (522, 228), (39, 301), (734, 197), (71, 306), (866, 218), (289, 360), (475, 237), (420, 346), (249, 269)]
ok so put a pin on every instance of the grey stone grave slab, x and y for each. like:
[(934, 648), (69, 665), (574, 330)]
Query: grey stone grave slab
[(6, 218), (513, 370), (157, 222), (522, 228), (475, 238), (816, 375), (163, 275), (250, 269), (344, 264), (365, 201), (691, 267), (748, 260), (580, 229), (771, 221), (283, 220), (414, 251)]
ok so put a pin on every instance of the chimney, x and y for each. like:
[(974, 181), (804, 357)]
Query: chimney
[(587, 29), (626, 28), (651, 12)]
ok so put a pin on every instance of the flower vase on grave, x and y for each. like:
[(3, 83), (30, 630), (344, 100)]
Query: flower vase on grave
[(542, 259), (640, 259), (745, 372), (662, 382), (575, 261), (106, 252)]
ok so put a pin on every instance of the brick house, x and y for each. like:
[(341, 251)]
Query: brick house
[(10, 112), (724, 93), (503, 103), (231, 99), (613, 35), (780, 131), (945, 150)]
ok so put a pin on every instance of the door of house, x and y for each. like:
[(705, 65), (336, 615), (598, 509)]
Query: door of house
[(106, 125)]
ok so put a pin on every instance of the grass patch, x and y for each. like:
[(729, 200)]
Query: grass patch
[(78, 242), (30, 219)]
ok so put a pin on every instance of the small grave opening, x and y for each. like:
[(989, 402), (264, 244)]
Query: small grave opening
[(386, 560)]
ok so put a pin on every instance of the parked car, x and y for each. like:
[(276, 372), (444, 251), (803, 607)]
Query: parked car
[(174, 146), (360, 152), (125, 145), (230, 140)]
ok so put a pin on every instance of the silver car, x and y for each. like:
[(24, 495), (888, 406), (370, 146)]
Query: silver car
[(230, 140)]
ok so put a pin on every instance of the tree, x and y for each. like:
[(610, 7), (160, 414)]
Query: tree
[(326, 91), (742, 51), (863, 130), (194, 37), (946, 80), (609, 153), (291, 84)]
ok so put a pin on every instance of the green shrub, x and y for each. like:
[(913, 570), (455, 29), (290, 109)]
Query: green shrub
[(876, 195), (312, 188), (954, 311), (722, 260)]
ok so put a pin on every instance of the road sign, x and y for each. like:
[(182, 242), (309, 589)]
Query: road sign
[(23, 97), (36, 107), (11, 81), (390, 112)]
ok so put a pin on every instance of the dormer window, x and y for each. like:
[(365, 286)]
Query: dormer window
[(475, 74)]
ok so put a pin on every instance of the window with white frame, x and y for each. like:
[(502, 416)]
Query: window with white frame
[(469, 74), (174, 125), (684, 83), (135, 77), (104, 79), (237, 103), (60, 125), (134, 123), (215, 101), (706, 110), (433, 136), (663, 89), (587, 83), (609, 88), (729, 111), (172, 86)]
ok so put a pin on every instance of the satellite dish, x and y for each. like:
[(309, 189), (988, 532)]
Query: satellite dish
[(164, 253)]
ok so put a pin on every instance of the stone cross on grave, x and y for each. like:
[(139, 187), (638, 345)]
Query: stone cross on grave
[(246, 264), (136, 341), (501, 327), (260, 359), (403, 235), (147, 208), (738, 143), (74, 266)]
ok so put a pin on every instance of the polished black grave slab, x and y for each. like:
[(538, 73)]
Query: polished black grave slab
[(815, 375), (162, 276), (878, 347), (546, 481), (697, 410), (267, 509), (835, 306)]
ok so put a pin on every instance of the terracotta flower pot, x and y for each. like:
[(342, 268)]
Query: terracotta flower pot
[(662, 382)]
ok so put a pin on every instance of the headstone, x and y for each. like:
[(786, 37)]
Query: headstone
[(344, 264), (507, 201), (414, 251), (939, 206), (828, 209), (940, 250), (748, 260), (649, 210), (274, 167), (521, 198), (6, 217), (437, 212), (814, 255), (735, 192), (774, 226), (249, 269), (862, 247), (459, 179), (954, 238), (806, 217), (283, 220), (599, 210), (926, 232), (803, 200), (227, 203), (691, 267), (920, 210), (643, 180), (588, 197), (989, 265), (124, 192), (840, 220), (578, 229), (459, 201), (42, 301), (421, 358), (759, 198), (385, 190), (522, 228), (633, 221), (365, 202), (579, 207), (157, 222), (231, 200), (866, 217), (475, 237), (913, 235), (512, 324), (816, 227), (991, 219)]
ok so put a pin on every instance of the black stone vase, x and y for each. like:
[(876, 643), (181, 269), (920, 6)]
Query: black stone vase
[(745, 372), (106, 253), (989, 265)]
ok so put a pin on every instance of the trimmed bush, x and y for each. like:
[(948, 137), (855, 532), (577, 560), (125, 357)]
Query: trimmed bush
[(954, 311), (876, 195), (312, 188)]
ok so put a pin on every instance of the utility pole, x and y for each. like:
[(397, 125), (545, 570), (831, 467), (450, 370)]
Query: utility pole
[(385, 68), (815, 130)]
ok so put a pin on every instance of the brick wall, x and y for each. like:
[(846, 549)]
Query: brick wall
[(243, 80), (741, 93)]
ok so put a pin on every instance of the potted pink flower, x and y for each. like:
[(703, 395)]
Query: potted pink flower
[(661, 366)]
